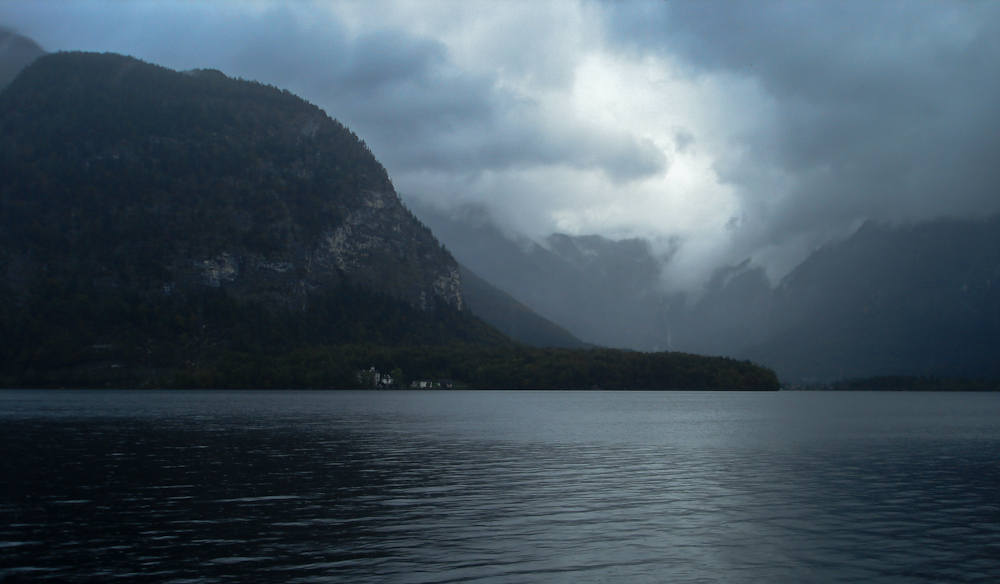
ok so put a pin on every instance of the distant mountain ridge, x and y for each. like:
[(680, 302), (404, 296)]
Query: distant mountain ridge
[(910, 300), (512, 318), (905, 300), (601, 291)]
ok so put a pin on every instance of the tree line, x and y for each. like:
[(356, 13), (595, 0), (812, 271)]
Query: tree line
[(66, 333)]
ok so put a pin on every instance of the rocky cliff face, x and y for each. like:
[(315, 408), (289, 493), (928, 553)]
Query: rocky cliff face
[(129, 175), (378, 246)]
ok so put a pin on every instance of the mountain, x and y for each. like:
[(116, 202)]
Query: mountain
[(16, 53), (107, 165), (160, 228), (726, 317), (909, 300), (512, 318), (148, 216), (603, 292), (918, 300), (608, 292)]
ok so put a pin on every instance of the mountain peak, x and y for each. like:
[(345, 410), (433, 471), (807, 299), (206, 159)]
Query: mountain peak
[(164, 180)]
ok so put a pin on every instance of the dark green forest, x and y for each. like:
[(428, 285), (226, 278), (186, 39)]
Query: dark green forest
[(126, 174), (69, 336)]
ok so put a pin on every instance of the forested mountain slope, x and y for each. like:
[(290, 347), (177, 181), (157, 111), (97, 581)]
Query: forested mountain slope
[(910, 300), (147, 216), (145, 178)]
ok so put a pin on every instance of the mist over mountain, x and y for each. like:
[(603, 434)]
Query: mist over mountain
[(16, 53), (511, 317), (916, 300), (888, 300), (602, 291)]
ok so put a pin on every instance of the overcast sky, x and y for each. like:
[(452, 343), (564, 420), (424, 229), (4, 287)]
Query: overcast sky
[(719, 130)]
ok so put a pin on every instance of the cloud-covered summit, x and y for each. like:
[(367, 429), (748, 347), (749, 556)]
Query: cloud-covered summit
[(718, 130), (886, 110)]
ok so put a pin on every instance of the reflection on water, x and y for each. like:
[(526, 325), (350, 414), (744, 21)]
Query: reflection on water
[(499, 487)]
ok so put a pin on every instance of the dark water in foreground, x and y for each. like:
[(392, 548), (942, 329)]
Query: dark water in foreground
[(499, 487)]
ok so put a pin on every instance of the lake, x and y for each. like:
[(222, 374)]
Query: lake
[(493, 486)]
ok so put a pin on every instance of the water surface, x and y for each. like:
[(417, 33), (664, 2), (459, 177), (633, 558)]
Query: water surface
[(499, 486)]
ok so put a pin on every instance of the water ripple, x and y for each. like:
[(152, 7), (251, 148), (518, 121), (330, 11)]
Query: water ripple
[(499, 487)]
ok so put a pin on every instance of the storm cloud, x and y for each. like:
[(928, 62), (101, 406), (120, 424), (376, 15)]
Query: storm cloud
[(884, 110), (718, 130)]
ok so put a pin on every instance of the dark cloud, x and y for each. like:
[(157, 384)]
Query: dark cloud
[(397, 87), (392, 58), (886, 110), (406, 96)]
